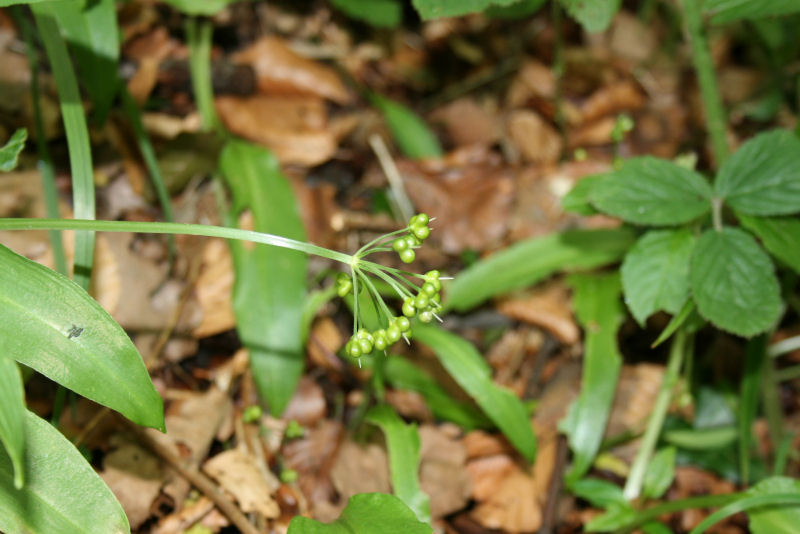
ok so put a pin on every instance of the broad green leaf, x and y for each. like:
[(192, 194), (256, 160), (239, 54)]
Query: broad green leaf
[(599, 311), (6, 3), (660, 473), (473, 374), (615, 517), (780, 236), (62, 493), (577, 200), (50, 324), (402, 374), (366, 513), (527, 262), (775, 519), (269, 291), (654, 527), (200, 7), (763, 176), (9, 153), (413, 136), (380, 13), (598, 492), (434, 9), (12, 417), (90, 28), (701, 439), (733, 282), (403, 443), (655, 273), (594, 15), (724, 11), (655, 191)]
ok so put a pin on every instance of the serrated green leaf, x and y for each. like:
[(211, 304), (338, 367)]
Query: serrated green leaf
[(379, 13), (660, 473), (527, 262), (733, 282), (763, 176), (403, 443), (775, 519), (12, 417), (366, 513), (594, 15), (649, 190), (200, 7), (725, 11), (9, 153), (50, 324), (270, 287), (597, 306), (62, 493), (413, 136), (780, 236), (434, 9), (655, 273), (473, 374)]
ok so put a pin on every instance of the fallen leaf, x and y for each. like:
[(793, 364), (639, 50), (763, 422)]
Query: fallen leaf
[(630, 38), (441, 471), (135, 476), (547, 306), (467, 122), (514, 507), (487, 473), (368, 461), (533, 137), (238, 474), (312, 456), (307, 405), (213, 289), (612, 99)]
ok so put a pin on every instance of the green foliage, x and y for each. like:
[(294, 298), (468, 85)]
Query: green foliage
[(12, 417), (599, 493), (527, 262), (434, 9), (62, 493), (9, 153), (600, 312), (52, 325), (270, 286), (200, 7), (593, 15), (403, 443), (780, 236), (775, 519), (649, 190), (577, 200), (366, 513), (518, 10), (410, 132), (655, 273), (724, 11), (733, 282), (660, 473), (473, 374), (701, 438), (379, 13)]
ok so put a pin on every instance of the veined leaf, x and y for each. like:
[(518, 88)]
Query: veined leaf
[(50, 324), (660, 473), (649, 190), (655, 273), (775, 519), (577, 200), (270, 286), (9, 153), (733, 282), (434, 9), (763, 176), (473, 374), (724, 11), (12, 417), (780, 236), (527, 262), (593, 15), (379, 13), (366, 513), (62, 493), (403, 443), (413, 136)]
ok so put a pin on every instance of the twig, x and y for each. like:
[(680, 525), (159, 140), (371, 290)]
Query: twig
[(393, 175)]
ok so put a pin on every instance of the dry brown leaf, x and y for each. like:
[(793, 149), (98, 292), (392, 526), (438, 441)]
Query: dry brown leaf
[(279, 69), (630, 38), (295, 128), (487, 473), (312, 456), (409, 404), (612, 99), (307, 405), (213, 289), (441, 471), (533, 137), (478, 444), (533, 80), (135, 476), (514, 507), (323, 343), (467, 122), (595, 133), (547, 306), (360, 469), (181, 520), (239, 475)]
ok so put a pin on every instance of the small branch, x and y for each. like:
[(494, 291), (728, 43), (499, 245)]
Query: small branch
[(393, 175)]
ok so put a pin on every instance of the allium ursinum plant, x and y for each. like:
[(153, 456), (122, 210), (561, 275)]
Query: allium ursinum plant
[(421, 301)]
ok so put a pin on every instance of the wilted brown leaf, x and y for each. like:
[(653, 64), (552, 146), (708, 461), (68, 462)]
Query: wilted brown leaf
[(135, 476), (360, 469), (238, 473), (213, 289), (467, 122), (514, 507), (535, 139), (312, 456), (441, 471), (547, 306), (307, 405)]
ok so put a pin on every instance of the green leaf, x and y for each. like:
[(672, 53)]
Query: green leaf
[(527, 262), (775, 519), (599, 310), (763, 176), (473, 374), (701, 439), (649, 190), (403, 443), (686, 312), (518, 10), (654, 527), (577, 200), (90, 28), (269, 292), (733, 282), (6, 3), (413, 136), (366, 513), (616, 517), (62, 493), (402, 374), (200, 7), (9, 153), (780, 236), (599, 493), (593, 15), (379, 13), (660, 473), (12, 417), (655, 273), (50, 324), (434, 9), (724, 11)]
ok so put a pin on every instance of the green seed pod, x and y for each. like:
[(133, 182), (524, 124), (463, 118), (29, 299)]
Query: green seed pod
[(400, 244), (428, 289), (412, 241), (393, 334), (354, 351), (408, 307), (403, 324), (426, 316), (380, 342), (422, 301), (364, 334), (422, 219), (432, 275), (437, 299), (365, 345), (407, 256), (421, 232)]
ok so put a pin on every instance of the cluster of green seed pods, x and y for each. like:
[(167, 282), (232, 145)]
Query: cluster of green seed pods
[(427, 301), (364, 342), (418, 231)]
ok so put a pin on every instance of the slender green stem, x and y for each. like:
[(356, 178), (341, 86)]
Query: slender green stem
[(748, 401), (790, 373), (363, 251), (175, 228), (746, 503), (704, 501), (772, 402), (706, 78), (198, 38), (633, 486)]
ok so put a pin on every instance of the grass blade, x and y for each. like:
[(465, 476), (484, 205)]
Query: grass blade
[(12, 417)]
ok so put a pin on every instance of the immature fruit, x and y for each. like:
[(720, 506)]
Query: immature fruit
[(403, 324), (408, 307), (393, 334), (365, 345), (399, 244), (421, 219), (421, 232), (354, 350), (407, 256), (380, 340), (429, 289), (344, 284), (426, 316), (421, 302)]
